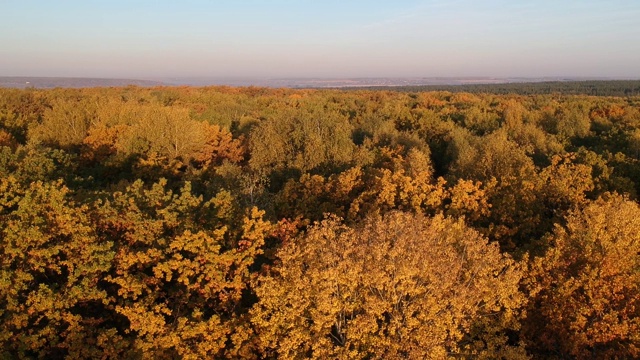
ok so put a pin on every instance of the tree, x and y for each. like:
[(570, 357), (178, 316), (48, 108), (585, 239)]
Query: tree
[(167, 132), (302, 140), (52, 262), (511, 182), (585, 290), (181, 270), (219, 146), (400, 286), (143, 273), (65, 123)]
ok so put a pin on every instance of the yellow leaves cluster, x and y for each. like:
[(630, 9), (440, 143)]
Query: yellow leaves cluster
[(566, 184), (163, 137), (585, 292), (65, 122), (101, 141), (144, 273), (301, 139), (178, 278), (400, 286), (52, 261), (469, 199), (525, 200), (389, 190), (7, 139), (314, 195)]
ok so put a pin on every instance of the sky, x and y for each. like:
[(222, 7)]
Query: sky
[(320, 38)]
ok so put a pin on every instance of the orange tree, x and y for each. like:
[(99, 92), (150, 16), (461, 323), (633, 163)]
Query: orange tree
[(585, 290)]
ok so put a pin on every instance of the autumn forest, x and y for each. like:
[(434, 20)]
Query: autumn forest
[(255, 223)]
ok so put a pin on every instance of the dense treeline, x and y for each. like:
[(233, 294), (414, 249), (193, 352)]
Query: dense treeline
[(588, 87), (274, 223)]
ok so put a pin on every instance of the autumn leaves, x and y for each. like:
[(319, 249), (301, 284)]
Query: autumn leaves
[(585, 299), (257, 223), (398, 286)]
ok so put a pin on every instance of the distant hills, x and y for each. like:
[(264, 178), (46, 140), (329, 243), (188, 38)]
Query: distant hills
[(523, 85), (361, 82), (22, 82)]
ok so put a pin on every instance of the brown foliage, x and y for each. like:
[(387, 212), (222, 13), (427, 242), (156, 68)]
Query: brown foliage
[(7, 139)]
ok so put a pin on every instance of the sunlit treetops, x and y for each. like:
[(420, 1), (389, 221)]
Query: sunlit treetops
[(256, 223)]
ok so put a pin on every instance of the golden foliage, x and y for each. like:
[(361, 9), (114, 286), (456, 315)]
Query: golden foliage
[(388, 189), (101, 141), (7, 139), (469, 199), (65, 122), (400, 286), (52, 261), (178, 279), (147, 272), (155, 247), (219, 145), (585, 290)]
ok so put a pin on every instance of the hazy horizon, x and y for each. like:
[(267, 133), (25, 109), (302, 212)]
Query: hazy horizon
[(329, 39)]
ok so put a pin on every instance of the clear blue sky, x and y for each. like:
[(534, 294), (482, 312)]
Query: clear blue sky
[(319, 38)]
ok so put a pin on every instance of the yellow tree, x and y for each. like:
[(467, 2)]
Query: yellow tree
[(181, 268), (400, 286), (586, 288), (510, 180), (66, 122), (167, 132), (301, 140), (51, 264)]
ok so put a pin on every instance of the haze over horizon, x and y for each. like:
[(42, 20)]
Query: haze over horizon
[(357, 38)]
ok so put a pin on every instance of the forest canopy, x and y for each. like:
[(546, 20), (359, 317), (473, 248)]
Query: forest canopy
[(570, 87), (220, 222)]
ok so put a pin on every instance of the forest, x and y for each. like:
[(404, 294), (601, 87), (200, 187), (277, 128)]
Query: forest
[(256, 223), (570, 87)]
